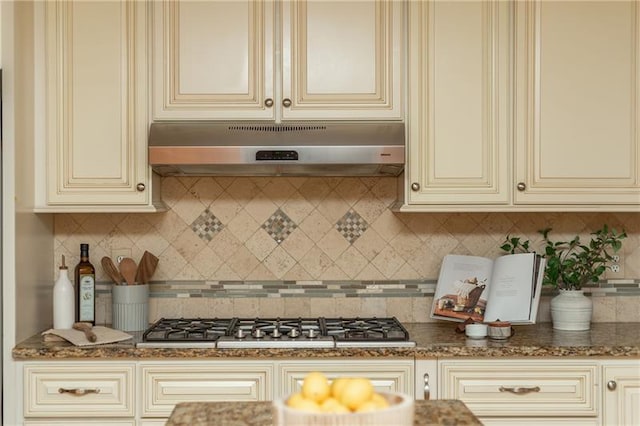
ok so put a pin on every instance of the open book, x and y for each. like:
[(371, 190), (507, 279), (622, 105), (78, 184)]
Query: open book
[(507, 288)]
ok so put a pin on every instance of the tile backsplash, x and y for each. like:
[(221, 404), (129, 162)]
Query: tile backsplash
[(318, 229)]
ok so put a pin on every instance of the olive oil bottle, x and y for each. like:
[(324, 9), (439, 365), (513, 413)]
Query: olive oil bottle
[(85, 285)]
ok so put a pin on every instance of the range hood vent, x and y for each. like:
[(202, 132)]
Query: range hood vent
[(265, 149)]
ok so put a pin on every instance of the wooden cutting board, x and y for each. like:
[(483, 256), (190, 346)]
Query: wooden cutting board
[(78, 338)]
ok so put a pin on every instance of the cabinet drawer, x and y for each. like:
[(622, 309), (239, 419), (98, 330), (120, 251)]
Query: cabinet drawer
[(522, 388), (80, 422), (386, 376), (165, 385), (79, 390)]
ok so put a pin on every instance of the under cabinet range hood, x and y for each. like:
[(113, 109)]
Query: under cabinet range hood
[(266, 149)]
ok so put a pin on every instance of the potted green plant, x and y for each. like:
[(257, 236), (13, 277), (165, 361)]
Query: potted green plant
[(569, 266)]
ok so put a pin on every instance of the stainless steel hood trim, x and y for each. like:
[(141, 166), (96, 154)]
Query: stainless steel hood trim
[(332, 149)]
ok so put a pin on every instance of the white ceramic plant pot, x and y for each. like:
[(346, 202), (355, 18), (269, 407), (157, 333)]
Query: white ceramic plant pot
[(571, 310)]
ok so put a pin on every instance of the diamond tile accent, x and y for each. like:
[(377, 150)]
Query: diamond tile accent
[(279, 226), (206, 225), (351, 226)]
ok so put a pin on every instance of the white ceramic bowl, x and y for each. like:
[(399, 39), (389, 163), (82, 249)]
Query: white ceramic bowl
[(399, 413)]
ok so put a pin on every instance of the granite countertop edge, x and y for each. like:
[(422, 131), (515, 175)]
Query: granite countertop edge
[(433, 340)]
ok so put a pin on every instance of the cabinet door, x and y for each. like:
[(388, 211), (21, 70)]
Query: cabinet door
[(213, 59), (386, 376), (165, 385), (96, 97), (578, 103), (621, 387), (458, 119), (342, 60)]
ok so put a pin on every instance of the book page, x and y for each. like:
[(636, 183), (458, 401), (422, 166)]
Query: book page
[(461, 289), (512, 288)]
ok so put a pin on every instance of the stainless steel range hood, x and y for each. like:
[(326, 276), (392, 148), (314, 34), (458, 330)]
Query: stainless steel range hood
[(265, 149)]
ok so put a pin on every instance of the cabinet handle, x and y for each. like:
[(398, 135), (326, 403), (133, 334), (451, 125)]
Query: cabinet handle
[(415, 186), (268, 102), (520, 391), (521, 186), (78, 392), (140, 187), (427, 389), (286, 102), (612, 385)]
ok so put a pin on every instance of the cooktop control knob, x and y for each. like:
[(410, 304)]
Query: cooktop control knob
[(276, 333), (294, 332), (240, 334), (258, 333), (312, 333)]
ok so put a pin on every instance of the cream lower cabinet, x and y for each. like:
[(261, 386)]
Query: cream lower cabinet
[(277, 60), (515, 391), (523, 106), (92, 139), (621, 393), (385, 375), (88, 392), (165, 384)]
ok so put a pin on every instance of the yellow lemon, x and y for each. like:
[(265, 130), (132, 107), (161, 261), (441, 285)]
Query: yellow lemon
[(380, 401), (294, 400), (356, 392), (367, 406), (315, 387), (305, 405), (337, 385), (331, 405)]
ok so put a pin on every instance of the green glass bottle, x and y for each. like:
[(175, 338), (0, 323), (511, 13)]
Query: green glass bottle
[(85, 286)]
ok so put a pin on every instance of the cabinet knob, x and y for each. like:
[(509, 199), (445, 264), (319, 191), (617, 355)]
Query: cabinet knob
[(521, 186), (286, 102), (415, 186), (268, 102), (140, 187), (612, 385)]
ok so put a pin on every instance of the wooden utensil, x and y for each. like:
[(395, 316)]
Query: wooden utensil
[(128, 269), (111, 270), (146, 268), (86, 328)]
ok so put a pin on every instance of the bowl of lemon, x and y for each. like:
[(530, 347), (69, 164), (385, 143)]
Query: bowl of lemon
[(343, 401)]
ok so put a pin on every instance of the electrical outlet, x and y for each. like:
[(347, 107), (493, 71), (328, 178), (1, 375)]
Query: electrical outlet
[(118, 254), (616, 267)]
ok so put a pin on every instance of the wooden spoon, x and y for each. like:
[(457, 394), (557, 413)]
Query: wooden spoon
[(128, 269), (111, 270), (146, 268), (86, 328)]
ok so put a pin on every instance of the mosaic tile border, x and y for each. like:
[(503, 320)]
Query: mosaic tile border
[(335, 289)]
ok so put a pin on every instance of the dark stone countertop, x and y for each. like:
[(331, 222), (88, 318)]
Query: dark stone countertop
[(433, 340), (436, 412)]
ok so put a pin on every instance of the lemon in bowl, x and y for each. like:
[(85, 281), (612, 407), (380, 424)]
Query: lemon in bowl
[(340, 402)]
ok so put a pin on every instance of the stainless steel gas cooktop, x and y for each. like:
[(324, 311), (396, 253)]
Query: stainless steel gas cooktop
[(276, 333)]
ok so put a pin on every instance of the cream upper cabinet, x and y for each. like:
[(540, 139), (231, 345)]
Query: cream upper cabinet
[(577, 103), (95, 102), (523, 105), (458, 141), (277, 60)]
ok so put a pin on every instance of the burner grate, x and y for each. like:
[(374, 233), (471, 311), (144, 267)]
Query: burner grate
[(280, 331)]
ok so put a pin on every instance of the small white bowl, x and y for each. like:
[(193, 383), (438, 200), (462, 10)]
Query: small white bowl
[(476, 331), (399, 413)]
